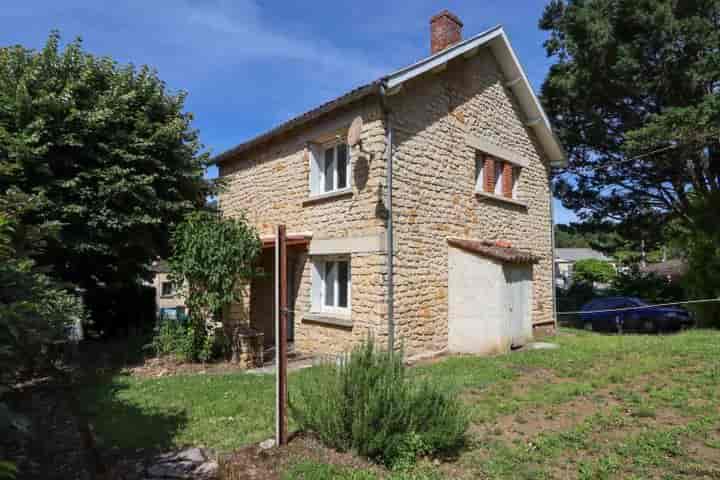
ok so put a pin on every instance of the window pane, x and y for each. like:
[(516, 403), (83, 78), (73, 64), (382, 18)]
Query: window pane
[(343, 278), (499, 169), (516, 175), (342, 161), (479, 164), (328, 170), (330, 276)]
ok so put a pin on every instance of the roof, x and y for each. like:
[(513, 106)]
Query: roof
[(494, 38), (160, 266), (575, 254), (499, 251), (674, 268)]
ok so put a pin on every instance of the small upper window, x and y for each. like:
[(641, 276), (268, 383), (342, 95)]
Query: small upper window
[(167, 289), (496, 176), (330, 169), (335, 168)]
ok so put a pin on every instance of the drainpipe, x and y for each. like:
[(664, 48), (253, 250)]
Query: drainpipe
[(552, 260), (390, 243)]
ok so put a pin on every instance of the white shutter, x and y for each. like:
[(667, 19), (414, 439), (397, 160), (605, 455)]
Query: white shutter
[(315, 158), (316, 287)]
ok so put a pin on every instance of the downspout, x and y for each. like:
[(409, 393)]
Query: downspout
[(390, 242), (552, 261)]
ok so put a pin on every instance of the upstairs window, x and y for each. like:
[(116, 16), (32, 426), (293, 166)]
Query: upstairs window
[(330, 168), (167, 289), (496, 177)]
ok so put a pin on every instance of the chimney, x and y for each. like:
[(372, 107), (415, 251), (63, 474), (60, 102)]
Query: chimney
[(445, 30)]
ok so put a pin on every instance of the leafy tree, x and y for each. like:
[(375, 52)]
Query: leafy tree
[(34, 309), (110, 152), (565, 237), (635, 93), (213, 257), (592, 271)]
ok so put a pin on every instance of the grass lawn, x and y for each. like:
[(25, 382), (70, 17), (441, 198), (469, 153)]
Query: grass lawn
[(635, 406)]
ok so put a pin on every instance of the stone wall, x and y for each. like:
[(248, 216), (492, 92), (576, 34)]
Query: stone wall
[(434, 181), (271, 185)]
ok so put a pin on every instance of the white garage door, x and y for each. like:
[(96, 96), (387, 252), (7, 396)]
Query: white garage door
[(488, 303)]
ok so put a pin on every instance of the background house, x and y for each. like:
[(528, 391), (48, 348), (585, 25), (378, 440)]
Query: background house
[(168, 301), (565, 259)]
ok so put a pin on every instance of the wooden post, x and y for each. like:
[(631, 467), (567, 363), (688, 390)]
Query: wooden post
[(281, 332)]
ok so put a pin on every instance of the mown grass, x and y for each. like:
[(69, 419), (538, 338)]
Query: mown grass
[(665, 393)]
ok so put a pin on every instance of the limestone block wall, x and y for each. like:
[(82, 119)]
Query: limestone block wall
[(271, 185), (434, 181)]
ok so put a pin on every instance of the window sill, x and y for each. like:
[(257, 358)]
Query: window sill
[(168, 296), (333, 319), (319, 197), (500, 198)]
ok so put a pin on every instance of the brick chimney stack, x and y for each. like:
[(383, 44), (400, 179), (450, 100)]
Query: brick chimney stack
[(445, 30)]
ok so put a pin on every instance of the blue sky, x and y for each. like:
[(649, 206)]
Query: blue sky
[(250, 64)]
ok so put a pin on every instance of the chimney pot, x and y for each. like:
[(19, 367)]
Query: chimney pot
[(445, 30)]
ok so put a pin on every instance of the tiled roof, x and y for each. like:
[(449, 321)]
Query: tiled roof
[(575, 254), (308, 116), (500, 251), (508, 63)]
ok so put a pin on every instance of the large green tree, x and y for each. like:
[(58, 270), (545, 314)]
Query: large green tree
[(109, 150), (635, 94)]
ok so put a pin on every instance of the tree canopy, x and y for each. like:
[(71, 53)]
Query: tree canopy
[(109, 154), (635, 94)]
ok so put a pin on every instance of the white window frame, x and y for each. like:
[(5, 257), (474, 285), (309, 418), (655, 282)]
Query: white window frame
[(162, 289), (499, 163), (320, 286), (317, 168)]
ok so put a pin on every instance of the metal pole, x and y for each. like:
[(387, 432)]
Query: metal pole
[(390, 238), (277, 336), (553, 276), (282, 333)]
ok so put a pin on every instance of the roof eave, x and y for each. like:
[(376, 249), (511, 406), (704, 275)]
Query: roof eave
[(350, 97), (495, 38)]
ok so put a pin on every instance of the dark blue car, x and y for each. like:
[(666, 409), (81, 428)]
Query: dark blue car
[(632, 314)]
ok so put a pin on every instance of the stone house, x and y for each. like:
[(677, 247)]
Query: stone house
[(417, 206)]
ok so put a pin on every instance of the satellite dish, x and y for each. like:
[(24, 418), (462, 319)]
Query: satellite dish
[(353, 136)]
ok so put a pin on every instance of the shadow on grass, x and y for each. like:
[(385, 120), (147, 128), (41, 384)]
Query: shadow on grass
[(120, 425), (129, 425)]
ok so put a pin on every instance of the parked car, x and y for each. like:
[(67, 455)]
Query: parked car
[(640, 316)]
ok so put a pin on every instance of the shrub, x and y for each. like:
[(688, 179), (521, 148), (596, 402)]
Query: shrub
[(188, 341), (213, 258), (591, 271), (366, 402)]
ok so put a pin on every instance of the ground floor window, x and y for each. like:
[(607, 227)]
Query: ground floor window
[(331, 285)]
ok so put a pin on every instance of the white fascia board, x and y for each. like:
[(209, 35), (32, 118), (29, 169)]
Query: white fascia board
[(499, 44)]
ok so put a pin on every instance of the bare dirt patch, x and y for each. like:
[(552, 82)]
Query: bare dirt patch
[(253, 462), (166, 366)]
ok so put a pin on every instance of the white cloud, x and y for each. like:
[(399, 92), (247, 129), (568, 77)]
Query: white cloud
[(238, 34)]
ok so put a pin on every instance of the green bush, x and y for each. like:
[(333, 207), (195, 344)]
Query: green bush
[(591, 270), (186, 340), (367, 403)]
